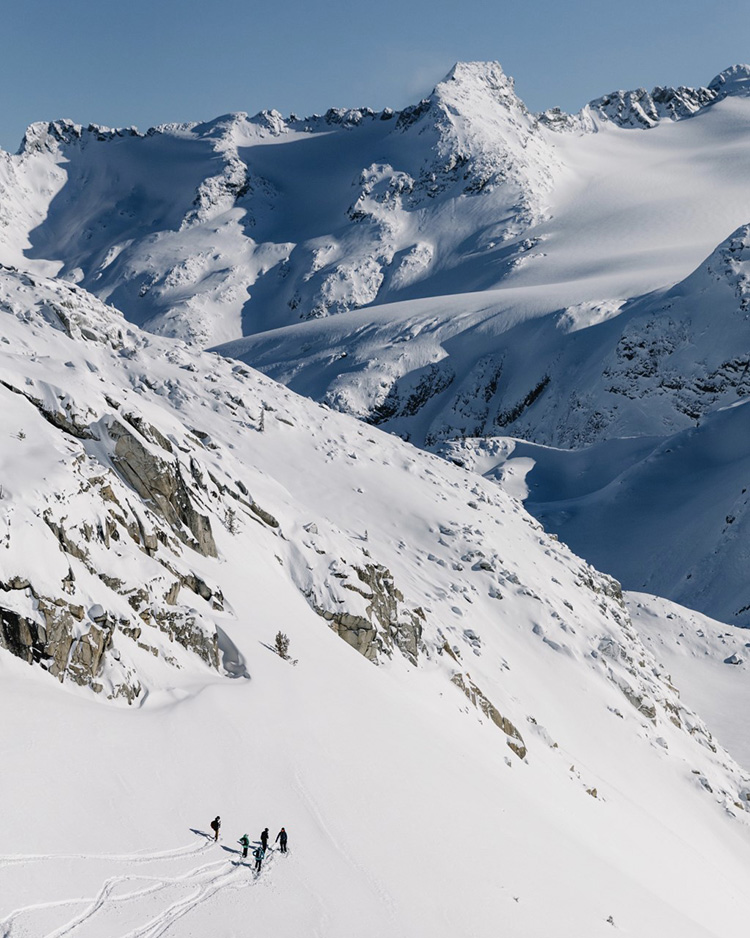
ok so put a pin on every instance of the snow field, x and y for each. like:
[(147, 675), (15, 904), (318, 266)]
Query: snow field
[(406, 810)]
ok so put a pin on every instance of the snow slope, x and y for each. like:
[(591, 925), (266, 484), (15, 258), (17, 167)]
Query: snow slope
[(666, 515), (708, 659), (492, 741)]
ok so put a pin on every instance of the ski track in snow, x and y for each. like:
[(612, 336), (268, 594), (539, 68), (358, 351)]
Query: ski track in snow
[(377, 885), (203, 882), (8, 860)]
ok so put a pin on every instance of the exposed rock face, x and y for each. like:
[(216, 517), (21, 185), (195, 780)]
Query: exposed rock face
[(640, 108), (399, 627), (407, 397), (386, 621), (514, 739), (189, 632), (64, 419), (356, 631), (59, 640), (20, 636), (161, 483), (124, 519)]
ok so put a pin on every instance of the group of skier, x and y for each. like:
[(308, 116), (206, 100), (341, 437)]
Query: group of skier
[(260, 851)]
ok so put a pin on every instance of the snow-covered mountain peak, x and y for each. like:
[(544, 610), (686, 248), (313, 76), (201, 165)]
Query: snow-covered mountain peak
[(733, 81), (478, 93), (467, 80), (729, 264), (482, 137), (640, 108), (220, 126), (45, 136), (239, 128), (272, 121)]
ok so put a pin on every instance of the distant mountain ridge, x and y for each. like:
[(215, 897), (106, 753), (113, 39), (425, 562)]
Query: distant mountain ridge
[(194, 230)]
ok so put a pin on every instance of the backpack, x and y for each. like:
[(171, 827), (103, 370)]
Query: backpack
[(214, 825)]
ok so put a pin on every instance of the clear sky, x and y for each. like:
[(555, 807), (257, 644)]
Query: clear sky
[(142, 62)]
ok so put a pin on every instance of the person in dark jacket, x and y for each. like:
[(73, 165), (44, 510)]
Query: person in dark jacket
[(281, 839), (244, 842), (258, 853), (215, 825), (264, 839)]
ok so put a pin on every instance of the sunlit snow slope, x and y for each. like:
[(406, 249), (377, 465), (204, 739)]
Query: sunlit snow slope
[(469, 730)]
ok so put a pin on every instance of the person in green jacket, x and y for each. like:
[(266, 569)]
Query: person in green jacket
[(244, 842)]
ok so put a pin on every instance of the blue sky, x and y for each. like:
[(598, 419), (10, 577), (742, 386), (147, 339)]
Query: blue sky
[(149, 61)]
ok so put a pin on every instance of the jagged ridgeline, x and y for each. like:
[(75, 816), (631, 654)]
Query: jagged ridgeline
[(260, 222)]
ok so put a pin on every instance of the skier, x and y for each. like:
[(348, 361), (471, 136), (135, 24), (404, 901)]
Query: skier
[(281, 838), (264, 839), (215, 825), (244, 842), (258, 853)]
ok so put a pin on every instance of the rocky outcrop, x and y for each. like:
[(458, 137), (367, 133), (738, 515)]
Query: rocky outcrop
[(65, 418), (409, 395), (386, 624), (356, 631), (643, 109), (21, 637), (514, 739), (161, 484), (59, 639)]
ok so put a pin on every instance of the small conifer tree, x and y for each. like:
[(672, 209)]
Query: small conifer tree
[(282, 645)]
